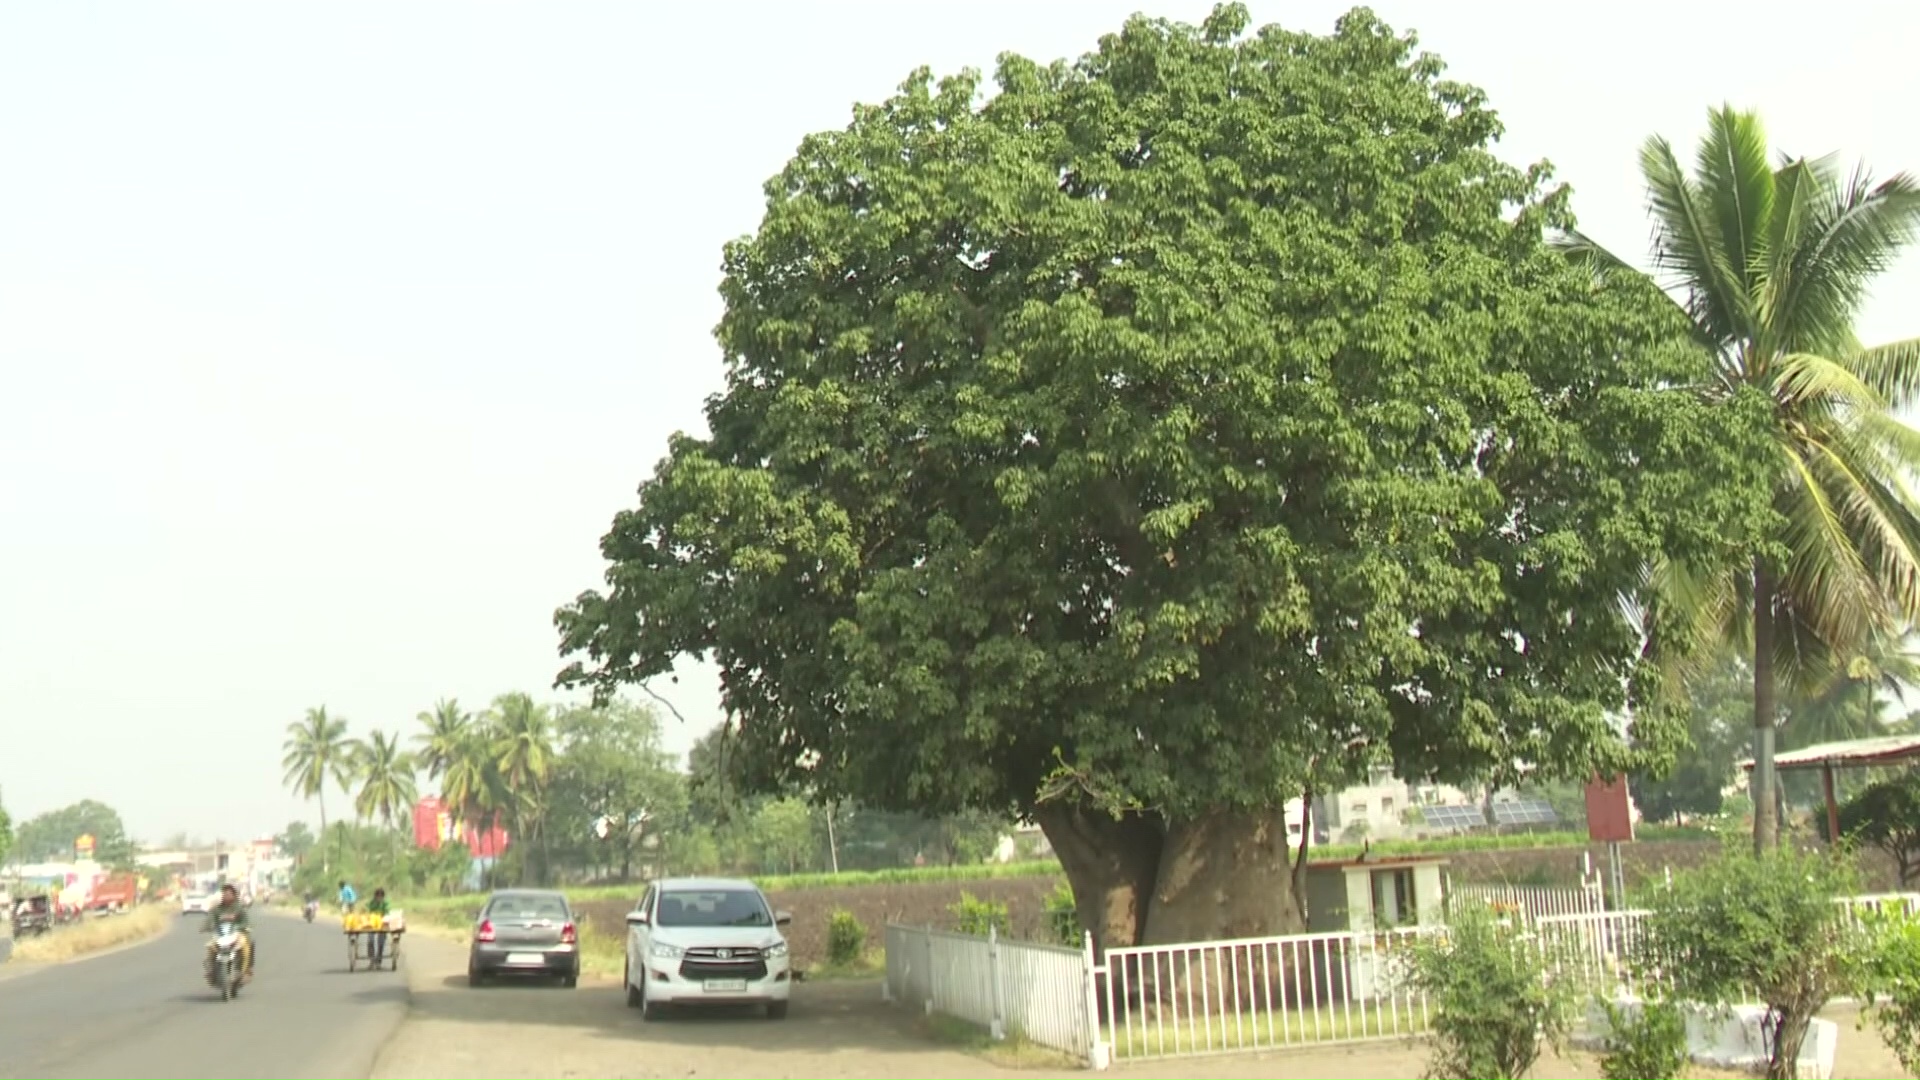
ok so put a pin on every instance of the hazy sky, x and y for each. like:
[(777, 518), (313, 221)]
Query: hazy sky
[(333, 335)]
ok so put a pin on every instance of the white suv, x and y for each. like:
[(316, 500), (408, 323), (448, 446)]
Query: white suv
[(707, 941)]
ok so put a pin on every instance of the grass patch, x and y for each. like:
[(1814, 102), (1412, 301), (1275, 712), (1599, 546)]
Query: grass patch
[(96, 934), (1149, 1036), (871, 965), (1013, 1052)]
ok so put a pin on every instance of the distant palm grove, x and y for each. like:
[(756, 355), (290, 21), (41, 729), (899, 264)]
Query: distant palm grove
[(586, 794)]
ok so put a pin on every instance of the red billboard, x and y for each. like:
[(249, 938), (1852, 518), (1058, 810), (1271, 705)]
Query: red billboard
[(433, 825)]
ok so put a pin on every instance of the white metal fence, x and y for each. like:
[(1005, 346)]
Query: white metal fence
[(1149, 1002), (1258, 993), (1043, 993)]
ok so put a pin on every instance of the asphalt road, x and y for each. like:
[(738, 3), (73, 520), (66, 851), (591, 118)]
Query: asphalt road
[(147, 1012)]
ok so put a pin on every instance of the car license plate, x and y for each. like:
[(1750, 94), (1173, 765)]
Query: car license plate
[(525, 958), (725, 986)]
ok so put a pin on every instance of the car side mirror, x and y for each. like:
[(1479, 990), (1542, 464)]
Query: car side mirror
[(782, 918), (636, 918)]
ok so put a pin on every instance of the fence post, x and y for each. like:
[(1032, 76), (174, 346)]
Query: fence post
[(927, 938), (887, 937), (997, 1028), (1099, 1054)]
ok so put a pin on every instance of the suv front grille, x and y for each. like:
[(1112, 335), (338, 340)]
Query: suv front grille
[(738, 963)]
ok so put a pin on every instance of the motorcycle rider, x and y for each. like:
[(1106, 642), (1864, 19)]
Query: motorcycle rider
[(310, 905), (230, 909)]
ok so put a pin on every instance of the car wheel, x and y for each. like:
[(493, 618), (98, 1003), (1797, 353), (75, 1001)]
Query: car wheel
[(648, 1010), (776, 1010), (626, 979), (474, 976)]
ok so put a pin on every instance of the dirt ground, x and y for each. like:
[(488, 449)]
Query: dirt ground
[(835, 1029)]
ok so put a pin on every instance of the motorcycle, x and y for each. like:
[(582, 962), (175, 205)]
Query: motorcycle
[(226, 964), (312, 909)]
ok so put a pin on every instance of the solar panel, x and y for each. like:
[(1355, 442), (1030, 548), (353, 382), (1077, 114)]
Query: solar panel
[(1525, 812), (1453, 817)]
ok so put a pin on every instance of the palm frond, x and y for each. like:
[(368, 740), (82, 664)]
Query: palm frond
[(1854, 234), (1893, 370), (1825, 579), (1687, 246), (1802, 381), (1736, 183)]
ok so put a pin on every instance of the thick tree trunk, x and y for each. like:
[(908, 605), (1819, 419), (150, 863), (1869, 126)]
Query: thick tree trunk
[(1766, 823), (1111, 863), (1222, 876)]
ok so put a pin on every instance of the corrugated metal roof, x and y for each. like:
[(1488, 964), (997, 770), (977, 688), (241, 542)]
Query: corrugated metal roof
[(1854, 753)]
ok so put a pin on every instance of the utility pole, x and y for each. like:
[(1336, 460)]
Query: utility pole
[(833, 846)]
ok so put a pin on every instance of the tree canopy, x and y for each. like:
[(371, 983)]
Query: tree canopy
[(50, 836), (1158, 434)]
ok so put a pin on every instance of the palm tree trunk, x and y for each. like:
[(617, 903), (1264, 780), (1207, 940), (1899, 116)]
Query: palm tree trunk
[(1766, 823), (326, 865)]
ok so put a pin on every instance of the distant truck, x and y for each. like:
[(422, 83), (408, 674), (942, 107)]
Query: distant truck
[(113, 894)]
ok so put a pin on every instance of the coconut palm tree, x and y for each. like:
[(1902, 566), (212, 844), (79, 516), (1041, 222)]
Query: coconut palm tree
[(1849, 704), (446, 730), (317, 750), (523, 755), (386, 778), (1770, 264)]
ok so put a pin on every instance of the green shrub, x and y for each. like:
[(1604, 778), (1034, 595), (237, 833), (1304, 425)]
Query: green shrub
[(1491, 1005), (972, 915), (1895, 975), (1746, 926), (1063, 918), (1651, 1045), (846, 939)]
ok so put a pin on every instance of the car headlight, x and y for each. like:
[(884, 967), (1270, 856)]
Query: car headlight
[(665, 951), (775, 951)]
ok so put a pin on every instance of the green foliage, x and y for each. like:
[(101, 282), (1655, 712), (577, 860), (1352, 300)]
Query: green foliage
[(1770, 260), (1886, 814), (1765, 926), (315, 753), (1214, 351), (1063, 918), (50, 836), (1895, 977), (295, 841), (846, 939), (1491, 1005), (385, 773), (1649, 1043), (1719, 718), (972, 915), (6, 834), (613, 789)]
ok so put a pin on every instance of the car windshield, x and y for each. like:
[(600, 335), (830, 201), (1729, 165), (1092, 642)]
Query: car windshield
[(527, 908), (713, 907)]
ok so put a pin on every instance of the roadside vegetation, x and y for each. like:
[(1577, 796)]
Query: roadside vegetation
[(71, 941)]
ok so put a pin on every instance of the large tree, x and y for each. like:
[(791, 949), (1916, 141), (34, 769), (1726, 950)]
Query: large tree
[(1770, 263), (613, 783), (50, 836), (1174, 428)]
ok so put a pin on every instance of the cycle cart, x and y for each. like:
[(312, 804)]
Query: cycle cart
[(365, 932)]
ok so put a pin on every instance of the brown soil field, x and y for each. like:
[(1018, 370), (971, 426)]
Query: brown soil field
[(918, 903), (930, 902)]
